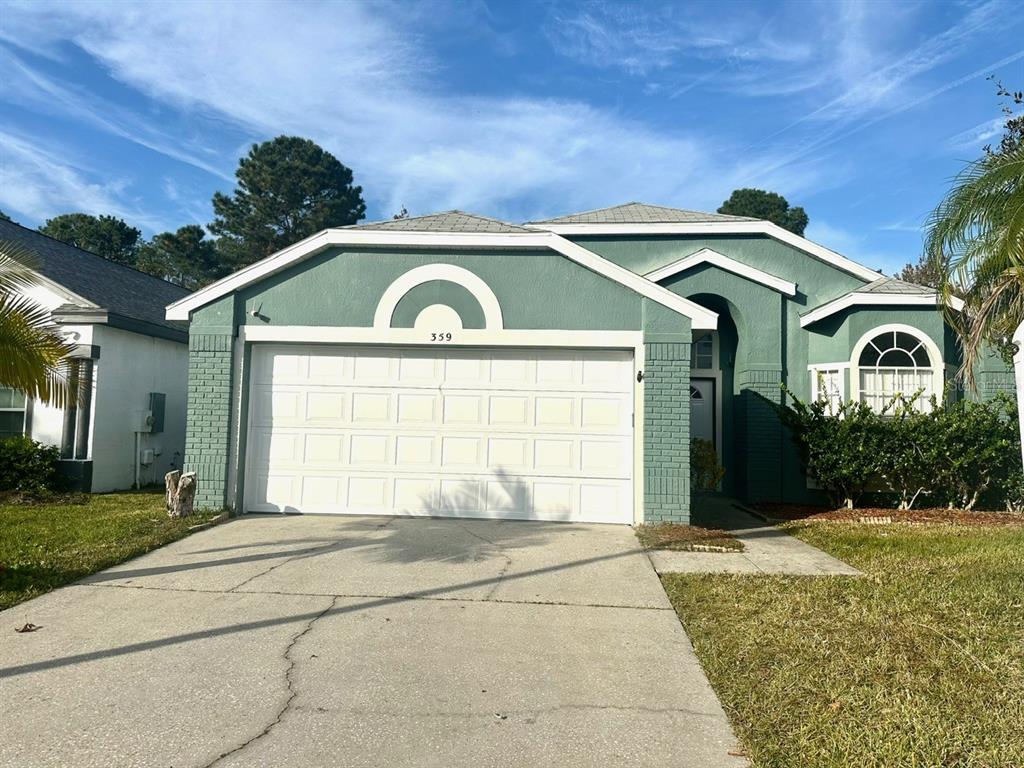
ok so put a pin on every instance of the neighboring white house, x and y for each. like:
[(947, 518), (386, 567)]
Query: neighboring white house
[(134, 363)]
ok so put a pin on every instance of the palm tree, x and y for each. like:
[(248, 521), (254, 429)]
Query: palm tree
[(32, 352), (976, 241)]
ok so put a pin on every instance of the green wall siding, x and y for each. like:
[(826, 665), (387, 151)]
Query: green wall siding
[(438, 292), (536, 290)]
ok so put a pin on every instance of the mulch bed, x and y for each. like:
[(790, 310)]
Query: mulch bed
[(687, 538), (790, 512)]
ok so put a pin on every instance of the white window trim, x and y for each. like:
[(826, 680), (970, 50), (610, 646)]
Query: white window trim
[(937, 366), (720, 260), (701, 318), (820, 368), (25, 411)]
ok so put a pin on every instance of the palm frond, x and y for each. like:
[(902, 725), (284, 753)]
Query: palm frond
[(17, 268), (32, 352), (976, 239)]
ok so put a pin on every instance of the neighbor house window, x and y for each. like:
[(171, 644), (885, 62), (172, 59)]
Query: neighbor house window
[(12, 413), (828, 385), (897, 361), (702, 353)]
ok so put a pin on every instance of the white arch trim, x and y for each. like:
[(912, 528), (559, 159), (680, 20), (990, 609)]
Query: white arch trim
[(493, 320), (934, 355)]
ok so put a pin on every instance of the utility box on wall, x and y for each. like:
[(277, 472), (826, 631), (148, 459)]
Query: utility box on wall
[(157, 405)]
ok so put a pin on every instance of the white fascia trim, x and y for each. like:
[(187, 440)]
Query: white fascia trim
[(874, 300), (720, 260), (722, 228), (474, 337), (700, 318)]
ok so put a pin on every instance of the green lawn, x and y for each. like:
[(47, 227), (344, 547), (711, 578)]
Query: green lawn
[(43, 546), (921, 663)]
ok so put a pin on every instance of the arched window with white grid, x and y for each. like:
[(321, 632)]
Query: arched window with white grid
[(896, 360)]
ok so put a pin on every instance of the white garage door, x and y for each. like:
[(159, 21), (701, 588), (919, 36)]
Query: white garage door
[(505, 433)]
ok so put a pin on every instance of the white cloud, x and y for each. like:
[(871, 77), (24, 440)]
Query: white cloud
[(38, 182), (358, 81)]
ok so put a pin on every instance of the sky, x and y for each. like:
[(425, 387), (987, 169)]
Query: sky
[(861, 112)]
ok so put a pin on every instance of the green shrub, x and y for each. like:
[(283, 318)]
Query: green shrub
[(706, 471), (28, 466), (959, 454)]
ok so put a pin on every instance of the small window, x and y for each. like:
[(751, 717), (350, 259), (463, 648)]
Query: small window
[(12, 413), (702, 353), (827, 386), (897, 363), (695, 394)]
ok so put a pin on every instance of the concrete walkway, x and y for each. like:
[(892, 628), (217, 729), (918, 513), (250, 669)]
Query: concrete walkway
[(356, 641), (767, 549)]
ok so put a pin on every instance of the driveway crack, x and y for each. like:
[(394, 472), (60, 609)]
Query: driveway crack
[(502, 553), (289, 686)]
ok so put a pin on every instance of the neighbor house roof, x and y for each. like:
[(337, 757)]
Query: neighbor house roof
[(112, 289), (640, 213), (446, 221), (885, 291)]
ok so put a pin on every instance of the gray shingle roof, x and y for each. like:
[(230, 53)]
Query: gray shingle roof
[(641, 213), (893, 286), (447, 221), (118, 289)]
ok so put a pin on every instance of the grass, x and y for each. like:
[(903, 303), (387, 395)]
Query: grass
[(687, 538), (46, 545), (920, 663)]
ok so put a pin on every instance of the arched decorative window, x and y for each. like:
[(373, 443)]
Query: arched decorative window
[(695, 394), (896, 360)]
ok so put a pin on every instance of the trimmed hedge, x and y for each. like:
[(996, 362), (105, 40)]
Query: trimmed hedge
[(962, 454), (27, 466)]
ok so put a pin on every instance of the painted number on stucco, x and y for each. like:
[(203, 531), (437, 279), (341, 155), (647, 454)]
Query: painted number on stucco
[(440, 337)]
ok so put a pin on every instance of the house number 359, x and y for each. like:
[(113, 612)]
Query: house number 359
[(440, 337)]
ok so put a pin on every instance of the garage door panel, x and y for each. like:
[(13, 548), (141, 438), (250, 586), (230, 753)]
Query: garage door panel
[(494, 433)]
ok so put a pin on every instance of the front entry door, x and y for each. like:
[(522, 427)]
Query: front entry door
[(702, 409)]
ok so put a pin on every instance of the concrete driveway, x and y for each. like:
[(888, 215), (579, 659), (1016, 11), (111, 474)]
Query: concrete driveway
[(345, 641)]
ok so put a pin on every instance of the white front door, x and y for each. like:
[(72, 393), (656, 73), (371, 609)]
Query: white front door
[(702, 409), (534, 434)]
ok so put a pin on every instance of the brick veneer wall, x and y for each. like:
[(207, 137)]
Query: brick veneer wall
[(667, 432), (209, 415)]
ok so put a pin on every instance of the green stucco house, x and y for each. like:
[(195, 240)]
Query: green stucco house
[(455, 365)]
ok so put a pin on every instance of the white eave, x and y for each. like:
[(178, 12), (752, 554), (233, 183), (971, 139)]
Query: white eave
[(855, 299), (700, 317), (720, 260), (721, 228)]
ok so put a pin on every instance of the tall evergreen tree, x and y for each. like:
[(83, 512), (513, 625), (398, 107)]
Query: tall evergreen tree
[(288, 189), (186, 257), (771, 206), (106, 236)]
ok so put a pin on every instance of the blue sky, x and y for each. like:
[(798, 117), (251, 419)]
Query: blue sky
[(859, 111)]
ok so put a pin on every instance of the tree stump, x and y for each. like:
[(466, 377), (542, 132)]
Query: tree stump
[(181, 493), (171, 488)]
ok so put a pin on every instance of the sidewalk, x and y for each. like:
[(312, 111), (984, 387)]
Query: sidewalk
[(767, 549)]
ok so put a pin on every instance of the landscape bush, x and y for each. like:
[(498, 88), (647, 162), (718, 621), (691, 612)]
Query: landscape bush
[(27, 466), (960, 454), (706, 471)]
